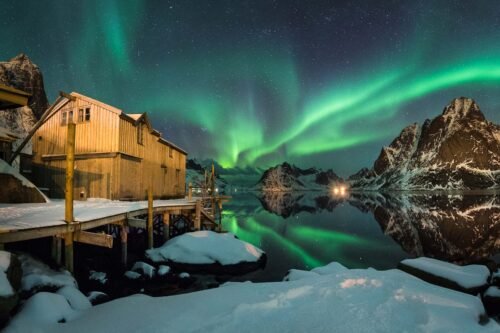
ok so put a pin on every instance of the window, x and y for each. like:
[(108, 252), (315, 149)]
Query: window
[(80, 115), (170, 152), (140, 137), (87, 114), (64, 118), (70, 116)]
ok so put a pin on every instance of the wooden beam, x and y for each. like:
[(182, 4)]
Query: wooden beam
[(190, 191), (70, 169), (93, 238), (56, 250), (124, 243), (150, 218), (137, 223)]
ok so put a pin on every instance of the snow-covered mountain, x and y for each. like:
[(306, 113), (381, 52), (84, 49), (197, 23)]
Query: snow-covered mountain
[(21, 73), (459, 149), (286, 177)]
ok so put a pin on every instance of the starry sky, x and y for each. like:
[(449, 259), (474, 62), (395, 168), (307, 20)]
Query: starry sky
[(255, 83)]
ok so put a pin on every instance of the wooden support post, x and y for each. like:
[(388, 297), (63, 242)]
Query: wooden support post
[(56, 250), (190, 191), (150, 218), (197, 216), (68, 212), (68, 251), (124, 243), (166, 226), (70, 168)]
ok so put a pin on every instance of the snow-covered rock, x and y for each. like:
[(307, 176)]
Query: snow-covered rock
[(146, 270), (470, 279), (38, 276), (97, 297), (491, 300), (100, 277), (459, 149), (206, 247), (16, 188), (163, 270), (131, 275), (343, 300)]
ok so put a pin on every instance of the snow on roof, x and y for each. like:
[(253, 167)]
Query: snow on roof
[(135, 116)]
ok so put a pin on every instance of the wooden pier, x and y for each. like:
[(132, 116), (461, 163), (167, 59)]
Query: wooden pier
[(20, 222)]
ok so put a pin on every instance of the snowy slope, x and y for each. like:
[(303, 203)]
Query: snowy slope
[(459, 149), (331, 298)]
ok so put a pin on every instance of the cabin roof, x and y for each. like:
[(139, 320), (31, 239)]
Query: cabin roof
[(136, 118)]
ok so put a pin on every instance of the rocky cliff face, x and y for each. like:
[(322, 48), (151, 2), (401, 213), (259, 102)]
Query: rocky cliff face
[(286, 177), (20, 73), (459, 149)]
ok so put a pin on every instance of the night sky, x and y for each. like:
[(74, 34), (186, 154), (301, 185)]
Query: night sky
[(255, 83)]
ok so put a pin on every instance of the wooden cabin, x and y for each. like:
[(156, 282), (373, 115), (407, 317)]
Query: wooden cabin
[(117, 155)]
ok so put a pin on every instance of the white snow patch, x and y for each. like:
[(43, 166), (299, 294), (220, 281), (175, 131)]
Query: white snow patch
[(132, 275), (163, 270), (184, 275), (470, 276), (75, 298), (206, 247), (98, 276)]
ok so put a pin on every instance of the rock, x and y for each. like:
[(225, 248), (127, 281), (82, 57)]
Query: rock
[(21, 73), (495, 278), (491, 301), (459, 149), (471, 279), (14, 274), (145, 270), (97, 297)]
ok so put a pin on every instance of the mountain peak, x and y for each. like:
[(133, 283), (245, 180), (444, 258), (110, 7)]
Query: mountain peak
[(21, 58), (462, 107)]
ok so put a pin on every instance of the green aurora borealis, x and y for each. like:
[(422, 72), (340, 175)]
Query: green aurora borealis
[(253, 83)]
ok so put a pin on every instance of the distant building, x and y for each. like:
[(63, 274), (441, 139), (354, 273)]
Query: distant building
[(118, 155)]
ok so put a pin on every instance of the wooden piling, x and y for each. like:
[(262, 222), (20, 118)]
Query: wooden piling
[(197, 217), (150, 218), (68, 211), (166, 226), (56, 250), (190, 191), (124, 244), (68, 252)]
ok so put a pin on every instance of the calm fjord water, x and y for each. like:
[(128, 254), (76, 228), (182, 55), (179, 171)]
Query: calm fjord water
[(359, 230)]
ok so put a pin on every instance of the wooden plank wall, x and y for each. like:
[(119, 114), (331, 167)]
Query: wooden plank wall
[(124, 176)]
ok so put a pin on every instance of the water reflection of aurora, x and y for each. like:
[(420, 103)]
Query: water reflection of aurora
[(297, 240)]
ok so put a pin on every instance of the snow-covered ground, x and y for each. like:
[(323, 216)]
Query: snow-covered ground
[(328, 299), (206, 247), (5, 287)]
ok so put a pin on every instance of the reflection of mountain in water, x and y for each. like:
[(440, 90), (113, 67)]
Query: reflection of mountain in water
[(456, 228), (286, 204)]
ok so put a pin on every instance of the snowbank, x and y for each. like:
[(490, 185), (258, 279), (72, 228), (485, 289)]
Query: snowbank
[(206, 247), (332, 299), (470, 278)]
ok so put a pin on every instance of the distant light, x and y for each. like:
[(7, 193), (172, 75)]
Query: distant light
[(216, 190), (335, 190)]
